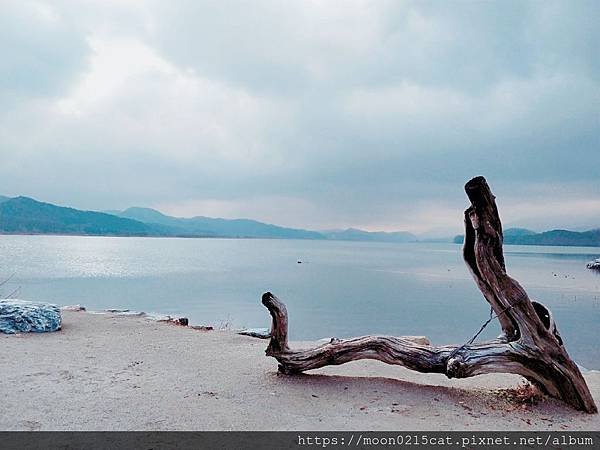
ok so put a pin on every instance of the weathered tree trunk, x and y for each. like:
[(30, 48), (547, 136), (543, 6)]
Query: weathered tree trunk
[(530, 344)]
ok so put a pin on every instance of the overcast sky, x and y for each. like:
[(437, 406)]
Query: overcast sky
[(315, 114)]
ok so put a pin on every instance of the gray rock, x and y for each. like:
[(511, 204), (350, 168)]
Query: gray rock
[(594, 264), (183, 321), (21, 316), (73, 308), (261, 333), (126, 312), (156, 317)]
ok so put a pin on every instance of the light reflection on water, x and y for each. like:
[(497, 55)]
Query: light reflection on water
[(340, 289)]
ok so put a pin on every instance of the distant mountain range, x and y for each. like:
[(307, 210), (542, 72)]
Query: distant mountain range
[(23, 215), (522, 236), (210, 227)]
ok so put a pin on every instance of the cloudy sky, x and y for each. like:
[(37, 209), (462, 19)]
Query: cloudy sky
[(316, 114)]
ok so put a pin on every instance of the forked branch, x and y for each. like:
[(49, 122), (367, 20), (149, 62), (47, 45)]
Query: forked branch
[(530, 344)]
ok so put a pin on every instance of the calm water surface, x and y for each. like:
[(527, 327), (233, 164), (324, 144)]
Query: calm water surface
[(341, 288)]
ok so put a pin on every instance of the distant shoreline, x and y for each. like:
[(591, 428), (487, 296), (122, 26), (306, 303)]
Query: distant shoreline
[(510, 244), (154, 236), (184, 236)]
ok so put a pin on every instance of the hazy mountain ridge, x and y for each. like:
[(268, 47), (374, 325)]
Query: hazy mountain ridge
[(217, 226), (522, 236), (24, 215)]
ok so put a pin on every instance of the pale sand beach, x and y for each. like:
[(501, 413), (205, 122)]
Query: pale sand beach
[(110, 372)]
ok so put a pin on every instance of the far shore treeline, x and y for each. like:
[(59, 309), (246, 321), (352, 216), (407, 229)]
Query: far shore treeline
[(24, 215)]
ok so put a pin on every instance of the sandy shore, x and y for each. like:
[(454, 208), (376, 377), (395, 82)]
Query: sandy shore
[(107, 372)]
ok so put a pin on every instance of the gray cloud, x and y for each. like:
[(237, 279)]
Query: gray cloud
[(41, 53), (316, 114)]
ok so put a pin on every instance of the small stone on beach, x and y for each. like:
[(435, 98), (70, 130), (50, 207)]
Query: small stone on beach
[(73, 308), (183, 321), (261, 333)]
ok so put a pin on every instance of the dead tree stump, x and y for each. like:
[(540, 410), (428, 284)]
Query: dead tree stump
[(529, 345)]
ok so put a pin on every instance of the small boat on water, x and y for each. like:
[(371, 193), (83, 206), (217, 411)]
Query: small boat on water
[(594, 264)]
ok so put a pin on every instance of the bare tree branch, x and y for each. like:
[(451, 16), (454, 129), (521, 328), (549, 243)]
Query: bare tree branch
[(530, 344)]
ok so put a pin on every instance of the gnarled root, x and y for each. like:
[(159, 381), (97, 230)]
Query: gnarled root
[(530, 344)]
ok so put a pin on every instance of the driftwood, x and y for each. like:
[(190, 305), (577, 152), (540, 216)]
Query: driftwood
[(529, 345)]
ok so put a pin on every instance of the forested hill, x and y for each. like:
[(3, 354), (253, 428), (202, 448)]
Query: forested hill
[(519, 236)]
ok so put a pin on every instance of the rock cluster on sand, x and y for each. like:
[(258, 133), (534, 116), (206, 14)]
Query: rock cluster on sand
[(21, 316)]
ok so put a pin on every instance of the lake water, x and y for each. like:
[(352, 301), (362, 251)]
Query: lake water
[(341, 289)]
